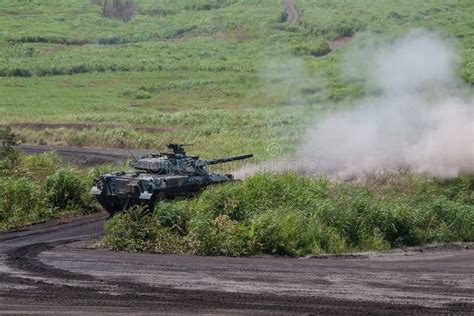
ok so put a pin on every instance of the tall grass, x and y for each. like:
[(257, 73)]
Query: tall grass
[(294, 215), (35, 188)]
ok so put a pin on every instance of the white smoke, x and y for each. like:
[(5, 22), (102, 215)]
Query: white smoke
[(413, 122), (412, 118)]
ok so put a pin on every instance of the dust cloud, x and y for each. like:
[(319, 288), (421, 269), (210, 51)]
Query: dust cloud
[(414, 121), (416, 115)]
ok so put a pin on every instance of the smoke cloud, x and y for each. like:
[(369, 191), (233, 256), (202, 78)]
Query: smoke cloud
[(413, 121), (415, 115)]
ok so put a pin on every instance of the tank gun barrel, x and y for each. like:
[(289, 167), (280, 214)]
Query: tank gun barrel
[(223, 160)]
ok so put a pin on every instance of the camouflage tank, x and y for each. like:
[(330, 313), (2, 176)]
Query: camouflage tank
[(157, 177)]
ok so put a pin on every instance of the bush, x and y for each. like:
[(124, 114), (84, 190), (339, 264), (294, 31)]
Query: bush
[(7, 141), (64, 190), (10, 157), (175, 216), (21, 73), (210, 5), (79, 69), (131, 230), (10, 162), (20, 202), (293, 215), (316, 49), (114, 40), (38, 167), (38, 39), (34, 188)]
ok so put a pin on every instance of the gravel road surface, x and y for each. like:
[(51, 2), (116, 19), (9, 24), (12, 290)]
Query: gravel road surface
[(51, 268)]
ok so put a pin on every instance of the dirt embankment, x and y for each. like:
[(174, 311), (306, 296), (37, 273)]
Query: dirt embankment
[(47, 268)]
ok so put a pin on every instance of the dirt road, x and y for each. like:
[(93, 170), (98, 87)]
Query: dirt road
[(293, 14), (47, 269), (82, 155)]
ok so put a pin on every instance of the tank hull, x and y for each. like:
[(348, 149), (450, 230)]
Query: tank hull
[(118, 191)]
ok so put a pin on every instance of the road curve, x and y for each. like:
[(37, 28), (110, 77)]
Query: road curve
[(46, 268)]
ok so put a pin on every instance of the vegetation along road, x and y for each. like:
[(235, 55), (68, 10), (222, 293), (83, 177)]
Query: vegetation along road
[(51, 267)]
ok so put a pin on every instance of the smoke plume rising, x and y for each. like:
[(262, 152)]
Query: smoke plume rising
[(413, 122), (415, 115)]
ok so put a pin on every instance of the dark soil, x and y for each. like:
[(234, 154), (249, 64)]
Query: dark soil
[(47, 268)]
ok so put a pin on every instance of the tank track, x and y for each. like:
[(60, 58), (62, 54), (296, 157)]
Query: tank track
[(110, 204)]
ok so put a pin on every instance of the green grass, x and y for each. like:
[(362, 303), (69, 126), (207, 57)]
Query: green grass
[(192, 67), (37, 188), (332, 19), (294, 215)]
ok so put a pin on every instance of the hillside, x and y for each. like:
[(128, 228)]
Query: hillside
[(190, 71)]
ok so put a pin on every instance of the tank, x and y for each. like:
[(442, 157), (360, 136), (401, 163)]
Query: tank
[(156, 177)]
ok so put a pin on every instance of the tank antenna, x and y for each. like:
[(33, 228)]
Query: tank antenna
[(131, 154)]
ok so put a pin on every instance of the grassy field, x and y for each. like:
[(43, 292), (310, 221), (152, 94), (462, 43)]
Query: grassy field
[(229, 76), (191, 70)]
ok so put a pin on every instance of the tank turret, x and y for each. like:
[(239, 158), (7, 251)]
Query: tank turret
[(159, 176), (178, 163)]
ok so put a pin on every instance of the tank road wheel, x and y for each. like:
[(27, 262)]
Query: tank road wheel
[(110, 203)]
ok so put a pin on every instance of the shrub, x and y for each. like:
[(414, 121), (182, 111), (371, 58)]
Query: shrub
[(175, 216), (78, 69), (292, 215), (10, 157), (10, 162), (347, 27), (210, 5), (283, 17), (142, 95), (114, 40), (38, 167), (316, 49), (130, 230), (64, 190), (218, 236), (20, 202), (7, 141), (18, 72), (38, 39)]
